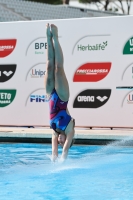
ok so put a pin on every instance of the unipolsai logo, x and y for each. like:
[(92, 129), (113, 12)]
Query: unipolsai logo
[(7, 72), (91, 72), (92, 98), (37, 71), (37, 47), (130, 98), (7, 96), (7, 46), (128, 48)]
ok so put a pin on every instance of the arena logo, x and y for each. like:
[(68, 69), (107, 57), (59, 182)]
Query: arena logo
[(94, 47), (92, 72), (7, 72), (37, 46), (6, 97), (7, 47), (92, 98), (128, 48)]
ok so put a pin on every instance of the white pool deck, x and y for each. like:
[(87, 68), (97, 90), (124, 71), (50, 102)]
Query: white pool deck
[(80, 133)]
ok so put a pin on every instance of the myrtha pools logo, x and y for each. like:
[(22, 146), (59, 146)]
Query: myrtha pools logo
[(92, 98), (92, 72), (7, 47), (6, 97), (6, 72)]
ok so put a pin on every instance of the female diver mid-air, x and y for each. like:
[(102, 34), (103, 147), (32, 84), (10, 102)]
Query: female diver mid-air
[(57, 89)]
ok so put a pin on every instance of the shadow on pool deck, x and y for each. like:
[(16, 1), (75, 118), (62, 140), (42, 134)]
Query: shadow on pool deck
[(94, 136)]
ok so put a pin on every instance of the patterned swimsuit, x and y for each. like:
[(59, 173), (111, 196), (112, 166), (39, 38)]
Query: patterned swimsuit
[(59, 119)]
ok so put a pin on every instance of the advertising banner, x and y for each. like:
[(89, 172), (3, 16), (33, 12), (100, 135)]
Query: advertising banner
[(98, 62)]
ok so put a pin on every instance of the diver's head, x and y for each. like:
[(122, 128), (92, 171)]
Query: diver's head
[(61, 139)]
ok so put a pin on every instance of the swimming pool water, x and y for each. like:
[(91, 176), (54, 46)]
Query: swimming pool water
[(89, 173)]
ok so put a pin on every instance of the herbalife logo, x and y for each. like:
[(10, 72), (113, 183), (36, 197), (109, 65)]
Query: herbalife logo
[(37, 73), (128, 48), (7, 72), (92, 98), (6, 97), (95, 47)]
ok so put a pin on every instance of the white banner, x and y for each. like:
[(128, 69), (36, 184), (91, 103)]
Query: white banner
[(98, 54)]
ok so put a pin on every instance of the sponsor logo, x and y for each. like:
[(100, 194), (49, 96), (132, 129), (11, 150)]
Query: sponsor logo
[(38, 98), (93, 47), (128, 48), (6, 97), (91, 72), (130, 98), (37, 73), (7, 47), (92, 98), (7, 72), (37, 46)]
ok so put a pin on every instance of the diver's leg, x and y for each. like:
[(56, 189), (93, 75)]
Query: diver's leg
[(61, 83), (49, 80)]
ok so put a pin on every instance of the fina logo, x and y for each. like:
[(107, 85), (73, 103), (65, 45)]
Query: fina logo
[(38, 98), (92, 98), (35, 97)]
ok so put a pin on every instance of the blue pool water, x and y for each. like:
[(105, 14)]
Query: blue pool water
[(90, 173)]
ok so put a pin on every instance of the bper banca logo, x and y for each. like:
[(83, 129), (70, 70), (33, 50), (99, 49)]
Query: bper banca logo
[(6, 97), (37, 46), (128, 48), (7, 72), (7, 47), (92, 72), (92, 98)]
